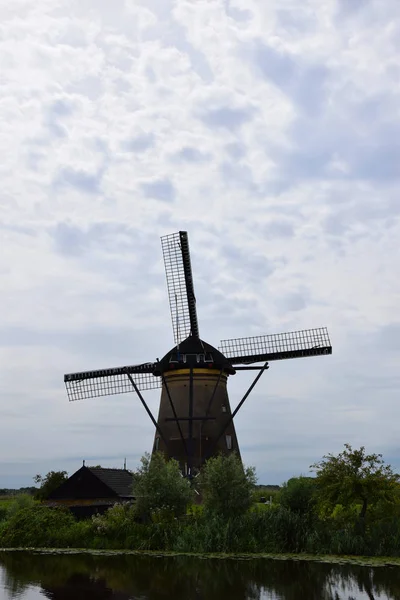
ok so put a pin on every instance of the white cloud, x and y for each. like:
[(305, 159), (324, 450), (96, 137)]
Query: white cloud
[(268, 130)]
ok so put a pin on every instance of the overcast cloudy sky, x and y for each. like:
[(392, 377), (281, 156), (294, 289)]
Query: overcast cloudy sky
[(271, 132)]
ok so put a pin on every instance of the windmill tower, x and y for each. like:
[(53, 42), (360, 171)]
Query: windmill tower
[(195, 420)]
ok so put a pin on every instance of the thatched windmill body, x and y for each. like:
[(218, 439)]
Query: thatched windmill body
[(195, 420)]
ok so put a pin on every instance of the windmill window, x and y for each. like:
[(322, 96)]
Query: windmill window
[(157, 443), (228, 442), (224, 408)]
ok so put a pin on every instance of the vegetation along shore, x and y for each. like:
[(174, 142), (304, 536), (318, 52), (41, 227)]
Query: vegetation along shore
[(350, 507)]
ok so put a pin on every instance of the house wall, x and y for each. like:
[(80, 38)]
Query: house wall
[(85, 508)]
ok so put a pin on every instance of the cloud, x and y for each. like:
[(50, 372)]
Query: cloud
[(139, 143), (69, 240), (295, 301), (238, 14), (304, 83), (162, 189), (109, 237), (351, 8), (54, 115), (279, 228), (78, 179), (192, 155), (226, 117), (271, 135)]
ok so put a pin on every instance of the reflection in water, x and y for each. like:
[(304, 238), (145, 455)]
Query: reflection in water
[(119, 577)]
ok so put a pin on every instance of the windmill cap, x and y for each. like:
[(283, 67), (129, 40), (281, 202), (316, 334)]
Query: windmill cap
[(194, 352)]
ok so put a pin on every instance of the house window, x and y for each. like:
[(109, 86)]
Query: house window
[(228, 442), (156, 443)]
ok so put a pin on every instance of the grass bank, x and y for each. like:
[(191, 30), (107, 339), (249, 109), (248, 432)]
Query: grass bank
[(364, 561), (272, 532)]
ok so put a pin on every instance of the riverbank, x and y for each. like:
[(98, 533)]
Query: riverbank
[(273, 532), (365, 561)]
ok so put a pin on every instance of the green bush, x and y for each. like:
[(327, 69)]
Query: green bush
[(227, 486), (299, 495), (20, 502), (160, 489), (3, 513), (37, 526), (355, 477)]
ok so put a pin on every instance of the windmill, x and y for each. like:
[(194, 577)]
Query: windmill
[(195, 420)]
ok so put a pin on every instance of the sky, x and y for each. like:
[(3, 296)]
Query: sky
[(270, 131)]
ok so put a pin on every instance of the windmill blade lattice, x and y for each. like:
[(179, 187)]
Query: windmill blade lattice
[(294, 344), (108, 382), (182, 301)]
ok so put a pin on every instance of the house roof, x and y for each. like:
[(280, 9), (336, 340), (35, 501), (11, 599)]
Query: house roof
[(119, 480)]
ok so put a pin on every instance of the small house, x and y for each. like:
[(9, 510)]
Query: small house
[(92, 490)]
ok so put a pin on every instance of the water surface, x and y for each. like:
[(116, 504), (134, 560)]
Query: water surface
[(34, 576)]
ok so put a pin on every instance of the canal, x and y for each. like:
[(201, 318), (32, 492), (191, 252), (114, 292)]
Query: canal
[(83, 576)]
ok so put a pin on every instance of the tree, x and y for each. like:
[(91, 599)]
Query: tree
[(355, 477), (227, 486), (160, 486), (49, 483), (298, 494)]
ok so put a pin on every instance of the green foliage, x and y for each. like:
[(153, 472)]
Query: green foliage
[(299, 495), (159, 488), (38, 526), (267, 492), (49, 483), (19, 503), (3, 512), (195, 510), (354, 477), (15, 492), (227, 486), (116, 526), (343, 516), (5, 503), (224, 523), (277, 530)]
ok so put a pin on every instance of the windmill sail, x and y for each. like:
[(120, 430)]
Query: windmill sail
[(294, 344), (178, 270), (107, 382)]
